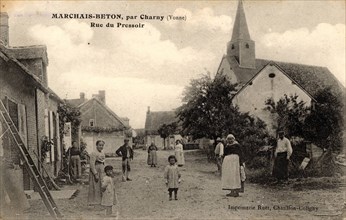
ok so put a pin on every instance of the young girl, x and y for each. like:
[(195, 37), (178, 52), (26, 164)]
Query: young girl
[(172, 177), (108, 195)]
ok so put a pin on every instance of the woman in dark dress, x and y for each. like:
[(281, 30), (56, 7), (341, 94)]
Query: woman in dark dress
[(152, 156), (233, 159)]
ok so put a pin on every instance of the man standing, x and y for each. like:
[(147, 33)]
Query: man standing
[(218, 152), (282, 155), (126, 153)]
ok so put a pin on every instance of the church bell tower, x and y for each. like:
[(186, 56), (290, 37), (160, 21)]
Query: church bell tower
[(241, 46)]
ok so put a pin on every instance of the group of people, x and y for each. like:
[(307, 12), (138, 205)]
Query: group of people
[(178, 153), (231, 162), (101, 185)]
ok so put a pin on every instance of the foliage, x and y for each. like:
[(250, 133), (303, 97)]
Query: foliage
[(290, 114), (166, 130), (208, 112), (69, 114), (139, 139), (324, 126), (207, 106), (46, 146)]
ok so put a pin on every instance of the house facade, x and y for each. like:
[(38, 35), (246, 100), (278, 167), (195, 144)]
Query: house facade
[(153, 121), (259, 80), (99, 122), (32, 105)]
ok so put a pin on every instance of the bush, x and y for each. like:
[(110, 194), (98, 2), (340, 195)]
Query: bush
[(258, 162), (261, 175)]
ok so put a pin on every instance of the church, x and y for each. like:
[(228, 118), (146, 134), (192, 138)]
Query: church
[(260, 80)]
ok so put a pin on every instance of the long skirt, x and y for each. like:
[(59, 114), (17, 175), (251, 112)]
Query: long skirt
[(280, 169), (230, 172), (95, 192), (152, 157), (180, 157), (76, 166)]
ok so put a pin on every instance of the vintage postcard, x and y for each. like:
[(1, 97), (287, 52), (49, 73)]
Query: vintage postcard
[(172, 109)]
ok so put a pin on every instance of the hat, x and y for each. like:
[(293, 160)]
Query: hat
[(230, 136), (126, 139), (281, 132), (218, 139)]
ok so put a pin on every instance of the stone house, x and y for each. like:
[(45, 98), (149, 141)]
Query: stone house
[(99, 122), (259, 80), (153, 121), (32, 105)]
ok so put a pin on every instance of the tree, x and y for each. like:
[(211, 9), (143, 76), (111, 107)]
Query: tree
[(207, 106), (324, 126), (166, 130), (290, 114), (208, 112), (321, 124), (69, 114)]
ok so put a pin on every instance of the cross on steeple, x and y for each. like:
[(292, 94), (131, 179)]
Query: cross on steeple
[(241, 46)]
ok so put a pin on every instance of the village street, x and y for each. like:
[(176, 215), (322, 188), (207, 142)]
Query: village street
[(200, 196)]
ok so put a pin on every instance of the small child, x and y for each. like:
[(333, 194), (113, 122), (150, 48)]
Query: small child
[(108, 196), (172, 177)]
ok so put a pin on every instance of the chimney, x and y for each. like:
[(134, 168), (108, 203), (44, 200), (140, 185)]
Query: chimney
[(102, 96), (148, 110), (4, 34), (82, 96)]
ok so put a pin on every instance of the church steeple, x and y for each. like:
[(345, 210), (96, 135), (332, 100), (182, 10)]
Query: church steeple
[(241, 46)]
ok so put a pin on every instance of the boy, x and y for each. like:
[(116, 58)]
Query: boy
[(172, 177), (108, 189)]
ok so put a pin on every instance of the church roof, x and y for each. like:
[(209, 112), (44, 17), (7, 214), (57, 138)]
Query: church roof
[(240, 29), (155, 120), (310, 78)]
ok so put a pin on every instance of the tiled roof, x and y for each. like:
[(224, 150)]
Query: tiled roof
[(75, 102), (7, 56), (155, 120), (310, 78), (110, 111), (30, 52)]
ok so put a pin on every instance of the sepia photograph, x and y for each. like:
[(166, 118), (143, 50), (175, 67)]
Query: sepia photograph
[(191, 109)]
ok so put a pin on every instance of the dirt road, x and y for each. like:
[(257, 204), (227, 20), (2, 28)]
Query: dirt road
[(200, 196)]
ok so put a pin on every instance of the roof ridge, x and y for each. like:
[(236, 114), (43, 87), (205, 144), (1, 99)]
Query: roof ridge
[(30, 46), (286, 62)]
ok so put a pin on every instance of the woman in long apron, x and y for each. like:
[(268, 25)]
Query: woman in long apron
[(97, 159), (179, 153), (231, 177)]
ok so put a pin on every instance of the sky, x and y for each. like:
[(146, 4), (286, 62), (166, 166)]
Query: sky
[(150, 66)]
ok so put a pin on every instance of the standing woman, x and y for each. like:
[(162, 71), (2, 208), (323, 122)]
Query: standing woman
[(179, 153), (75, 161), (152, 156), (97, 159), (232, 161)]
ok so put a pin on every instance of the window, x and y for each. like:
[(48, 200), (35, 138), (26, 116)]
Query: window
[(271, 75), (247, 46), (232, 46), (91, 122)]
